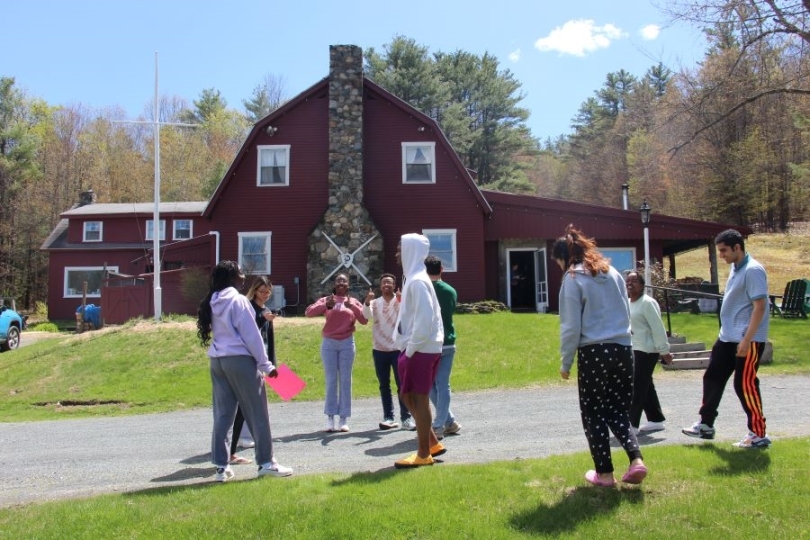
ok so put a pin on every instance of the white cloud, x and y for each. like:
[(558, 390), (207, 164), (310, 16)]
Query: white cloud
[(579, 37), (650, 32), (514, 56)]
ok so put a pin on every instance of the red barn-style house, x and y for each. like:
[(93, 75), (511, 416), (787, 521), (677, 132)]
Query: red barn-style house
[(328, 183)]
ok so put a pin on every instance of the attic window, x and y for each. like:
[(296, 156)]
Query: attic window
[(418, 163), (273, 166), (93, 231)]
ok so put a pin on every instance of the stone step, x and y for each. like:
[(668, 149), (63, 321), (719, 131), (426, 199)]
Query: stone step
[(676, 339), (688, 355), (700, 362), (687, 347)]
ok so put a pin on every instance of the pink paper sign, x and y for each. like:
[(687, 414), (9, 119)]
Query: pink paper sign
[(287, 385)]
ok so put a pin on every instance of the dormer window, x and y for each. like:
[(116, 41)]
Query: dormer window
[(150, 228), (418, 163), (93, 231), (273, 167)]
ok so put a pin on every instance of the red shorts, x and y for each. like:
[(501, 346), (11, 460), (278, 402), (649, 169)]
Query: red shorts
[(417, 373)]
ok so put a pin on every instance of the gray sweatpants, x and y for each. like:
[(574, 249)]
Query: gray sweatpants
[(235, 380)]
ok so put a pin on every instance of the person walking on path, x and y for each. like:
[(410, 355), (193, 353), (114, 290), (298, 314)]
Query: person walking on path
[(238, 363), (445, 421), (650, 345), (383, 313), (744, 322), (338, 349), (595, 324), (419, 335)]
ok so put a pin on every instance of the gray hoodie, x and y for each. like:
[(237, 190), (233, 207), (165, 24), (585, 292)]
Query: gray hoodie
[(234, 329), (593, 309), (419, 326)]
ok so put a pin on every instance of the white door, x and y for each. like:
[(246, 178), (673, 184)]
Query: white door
[(541, 279)]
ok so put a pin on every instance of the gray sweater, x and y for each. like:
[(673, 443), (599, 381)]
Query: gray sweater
[(593, 309)]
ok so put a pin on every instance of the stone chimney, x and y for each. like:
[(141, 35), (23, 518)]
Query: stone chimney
[(87, 197), (354, 243)]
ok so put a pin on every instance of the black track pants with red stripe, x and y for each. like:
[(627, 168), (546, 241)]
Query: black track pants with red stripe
[(724, 361)]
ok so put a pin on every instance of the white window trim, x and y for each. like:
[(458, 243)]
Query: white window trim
[(149, 232), (405, 147), (606, 251), (100, 231), (259, 148), (190, 229), (268, 236), (454, 240), (69, 269)]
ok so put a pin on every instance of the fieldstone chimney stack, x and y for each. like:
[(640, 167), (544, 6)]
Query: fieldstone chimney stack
[(87, 197), (346, 236)]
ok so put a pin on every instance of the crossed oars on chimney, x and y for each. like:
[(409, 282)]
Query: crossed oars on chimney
[(346, 259)]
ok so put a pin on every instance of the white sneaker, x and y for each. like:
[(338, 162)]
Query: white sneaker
[(409, 424), (274, 469), (223, 474), (634, 430), (246, 443), (330, 424), (652, 427), (344, 424)]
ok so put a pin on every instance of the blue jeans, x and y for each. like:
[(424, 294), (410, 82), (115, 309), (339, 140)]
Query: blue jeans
[(440, 393), (384, 362), (338, 359)]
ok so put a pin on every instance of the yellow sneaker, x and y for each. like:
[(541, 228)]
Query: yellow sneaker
[(413, 461), (437, 449)]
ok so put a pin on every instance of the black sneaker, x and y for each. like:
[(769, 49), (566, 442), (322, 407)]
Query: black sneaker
[(699, 430)]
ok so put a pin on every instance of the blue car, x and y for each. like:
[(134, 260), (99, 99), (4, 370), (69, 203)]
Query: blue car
[(11, 324)]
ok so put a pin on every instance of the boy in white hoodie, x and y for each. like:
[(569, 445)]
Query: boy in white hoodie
[(419, 334)]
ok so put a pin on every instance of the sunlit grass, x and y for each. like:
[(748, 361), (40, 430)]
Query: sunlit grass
[(708, 490)]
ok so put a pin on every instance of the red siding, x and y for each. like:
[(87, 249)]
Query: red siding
[(398, 209), (290, 212)]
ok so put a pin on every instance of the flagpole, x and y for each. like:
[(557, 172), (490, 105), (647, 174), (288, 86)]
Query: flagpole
[(156, 215)]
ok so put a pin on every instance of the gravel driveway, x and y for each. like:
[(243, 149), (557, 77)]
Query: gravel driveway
[(78, 458)]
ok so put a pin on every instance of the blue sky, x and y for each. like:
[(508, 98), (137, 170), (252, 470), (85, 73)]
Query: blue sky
[(102, 53)]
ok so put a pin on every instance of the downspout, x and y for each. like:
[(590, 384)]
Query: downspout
[(216, 249)]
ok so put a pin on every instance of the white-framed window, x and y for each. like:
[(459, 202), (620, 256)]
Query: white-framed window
[(254, 252), (443, 245), (150, 227), (621, 259), (182, 229), (93, 231), (76, 276), (273, 168), (419, 163)]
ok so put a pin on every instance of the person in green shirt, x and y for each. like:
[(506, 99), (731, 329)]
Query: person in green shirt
[(444, 422)]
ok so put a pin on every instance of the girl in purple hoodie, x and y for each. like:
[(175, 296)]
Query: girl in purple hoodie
[(238, 361)]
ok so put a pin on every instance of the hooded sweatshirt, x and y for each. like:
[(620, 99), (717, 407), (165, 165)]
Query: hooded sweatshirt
[(419, 325), (234, 329), (593, 309)]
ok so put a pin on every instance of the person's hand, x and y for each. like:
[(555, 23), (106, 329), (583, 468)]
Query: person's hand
[(330, 301), (369, 297), (268, 315), (666, 359), (743, 347), (273, 374), (398, 295), (564, 374)]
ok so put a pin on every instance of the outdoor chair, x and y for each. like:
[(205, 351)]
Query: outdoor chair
[(793, 301)]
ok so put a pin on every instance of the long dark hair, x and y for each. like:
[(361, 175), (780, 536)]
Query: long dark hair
[(575, 248), (223, 276)]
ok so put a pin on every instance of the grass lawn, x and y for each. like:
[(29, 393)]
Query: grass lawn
[(694, 491), (149, 367)]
